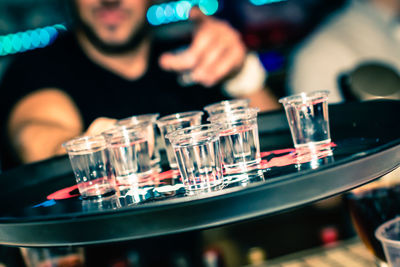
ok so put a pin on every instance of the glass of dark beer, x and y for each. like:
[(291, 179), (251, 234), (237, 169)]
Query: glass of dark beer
[(373, 204)]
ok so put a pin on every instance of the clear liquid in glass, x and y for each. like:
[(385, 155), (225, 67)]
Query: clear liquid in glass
[(240, 148), (200, 165), (93, 173)]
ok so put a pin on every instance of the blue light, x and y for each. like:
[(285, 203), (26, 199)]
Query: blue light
[(264, 2), (53, 33)]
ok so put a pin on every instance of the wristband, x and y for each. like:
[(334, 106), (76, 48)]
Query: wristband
[(250, 79)]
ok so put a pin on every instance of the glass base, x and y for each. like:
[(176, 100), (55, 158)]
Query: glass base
[(312, 145)]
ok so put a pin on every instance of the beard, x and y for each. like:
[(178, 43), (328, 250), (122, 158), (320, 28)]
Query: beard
[(136, 37)]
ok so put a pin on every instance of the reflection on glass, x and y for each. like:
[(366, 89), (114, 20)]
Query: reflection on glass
[(105, 203)]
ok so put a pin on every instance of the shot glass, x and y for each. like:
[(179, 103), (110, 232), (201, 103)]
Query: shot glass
[(90, 161), (226, 106), (175, 122), (308, 118), (240, 145), (129, 152), (389, 235), (151, 135), (197, 151)]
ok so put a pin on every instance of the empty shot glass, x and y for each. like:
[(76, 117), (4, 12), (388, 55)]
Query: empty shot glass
[(197, 151), (151, 135), (389, 236), (129, 151), (240, 145), (91, 164), (170, 123), (307, 114), (226, 106)]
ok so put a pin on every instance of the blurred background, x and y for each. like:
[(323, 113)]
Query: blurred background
[(271, 27)]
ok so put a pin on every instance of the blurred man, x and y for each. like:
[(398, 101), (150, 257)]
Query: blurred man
[(109, 66), (364, 31)]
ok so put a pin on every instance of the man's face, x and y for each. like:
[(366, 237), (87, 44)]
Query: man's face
[(114, 22)]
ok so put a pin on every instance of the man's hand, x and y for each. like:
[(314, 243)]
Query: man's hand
[(216, 51)]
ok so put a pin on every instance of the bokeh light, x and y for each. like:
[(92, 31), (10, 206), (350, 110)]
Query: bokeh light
[(179, 10), (29, 40), (208, 7), (264, 2)]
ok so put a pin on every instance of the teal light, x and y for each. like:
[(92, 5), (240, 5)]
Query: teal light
[(52, 33), (7, 45), (35, 39), (160, 15), (31, 39), (183, 9), (16, 42), (44, 37), (264, 2), (151, 15), (26, 41), (169, 12), (1, 46), (208, 7)]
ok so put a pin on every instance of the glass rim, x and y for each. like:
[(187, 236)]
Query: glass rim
[(304, 97), (381, 229), (178, 117), (85, 142), (234, 115), (185, 132), (138, 119), (123, 130), (226, 103)]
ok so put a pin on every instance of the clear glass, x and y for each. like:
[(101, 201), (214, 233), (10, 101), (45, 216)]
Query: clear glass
[(226, 106), (308, 118), (389, 235), (240, 145), (129, 150), (105, 203), (175, 122), (59, 256), (151, 135), (198, 155), (90, 161)]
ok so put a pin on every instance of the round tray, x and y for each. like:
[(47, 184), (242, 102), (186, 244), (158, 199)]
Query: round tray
[(366, 146)]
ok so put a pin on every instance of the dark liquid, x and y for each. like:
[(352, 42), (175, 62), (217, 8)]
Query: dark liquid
[(369, 209)]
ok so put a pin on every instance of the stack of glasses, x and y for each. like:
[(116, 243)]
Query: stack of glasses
[(126, 157)]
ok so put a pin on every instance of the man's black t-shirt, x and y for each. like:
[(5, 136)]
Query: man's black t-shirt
[(97, 91)]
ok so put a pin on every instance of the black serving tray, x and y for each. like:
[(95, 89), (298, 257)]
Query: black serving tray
[(366, 146)]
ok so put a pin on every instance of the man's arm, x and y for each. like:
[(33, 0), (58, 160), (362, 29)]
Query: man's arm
[(217, 53), (40, 122)]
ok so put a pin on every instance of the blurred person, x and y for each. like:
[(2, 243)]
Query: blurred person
[(362, 31), (109, 66)]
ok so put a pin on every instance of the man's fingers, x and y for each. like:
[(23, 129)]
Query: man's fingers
[(188, 59), (196, 14)]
